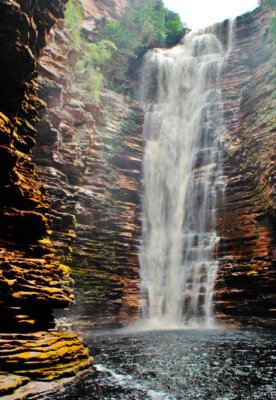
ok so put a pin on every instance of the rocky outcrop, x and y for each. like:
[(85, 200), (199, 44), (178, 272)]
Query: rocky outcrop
[(28, 273), (98, 10), (32, 282), (42, 356), (88, 156), (246, 279)]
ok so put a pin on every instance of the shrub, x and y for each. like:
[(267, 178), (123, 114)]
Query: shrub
[(92, 56), (272, 5), (175, 30), (74, 15), (119, 34), (98, 53)]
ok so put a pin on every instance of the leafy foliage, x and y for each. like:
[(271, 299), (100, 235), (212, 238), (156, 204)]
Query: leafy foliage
[(174, 28), (272, 5), (74, 15), (148, 25), (98, 53), (119, 34), (91, 56)]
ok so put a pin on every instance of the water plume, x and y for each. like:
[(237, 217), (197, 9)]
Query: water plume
[(182, 179)]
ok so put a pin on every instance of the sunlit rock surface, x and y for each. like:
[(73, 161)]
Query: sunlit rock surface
[(10, 382), (100, 9), (43, 356)]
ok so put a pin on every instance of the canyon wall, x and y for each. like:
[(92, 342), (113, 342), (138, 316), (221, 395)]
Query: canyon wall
[(74, 197), (32, 280), (89, 159), (88, 156), (246, 279)]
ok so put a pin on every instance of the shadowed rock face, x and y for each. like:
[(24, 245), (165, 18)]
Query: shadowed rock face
[(20, 47), (246, 279), (32, 283), (28, 275)]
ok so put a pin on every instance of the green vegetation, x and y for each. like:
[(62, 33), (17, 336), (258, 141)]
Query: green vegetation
[(116, 32), (149, 25), (272, 28), (272, 5), (124, 42), (174, 27), (160, 26), (74, 15), (91, 56)]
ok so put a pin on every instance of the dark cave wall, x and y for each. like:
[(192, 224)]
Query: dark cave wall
[(32, 280)]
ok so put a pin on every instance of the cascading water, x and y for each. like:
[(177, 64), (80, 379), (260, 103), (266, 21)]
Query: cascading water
[(182, 179)]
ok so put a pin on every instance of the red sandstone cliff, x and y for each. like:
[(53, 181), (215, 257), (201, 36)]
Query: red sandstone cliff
[(78, 198), (89, 158), (246, 279), (86, 207)]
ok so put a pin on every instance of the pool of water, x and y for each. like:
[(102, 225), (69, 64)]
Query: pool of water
[(178, 365)]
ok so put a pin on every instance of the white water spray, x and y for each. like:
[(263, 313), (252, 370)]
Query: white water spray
[(182, 178)]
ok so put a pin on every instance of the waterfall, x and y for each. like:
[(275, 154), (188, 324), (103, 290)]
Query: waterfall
[(231, 36), (182, 181)]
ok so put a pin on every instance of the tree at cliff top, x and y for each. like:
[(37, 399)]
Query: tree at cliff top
[(146, 26)]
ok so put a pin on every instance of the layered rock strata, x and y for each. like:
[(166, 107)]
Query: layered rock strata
[(89, 159), (32, 282), (246, 279), (42, 355)]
